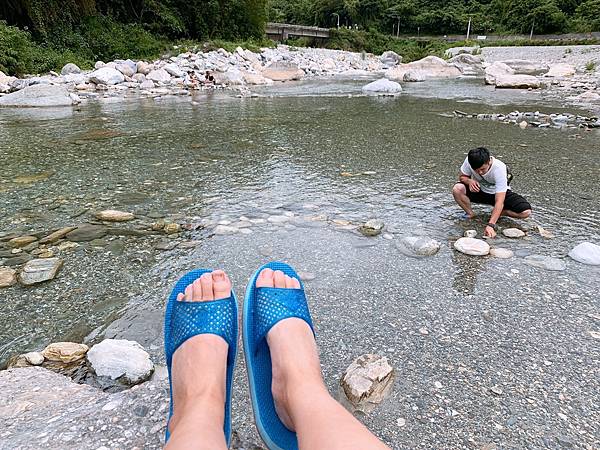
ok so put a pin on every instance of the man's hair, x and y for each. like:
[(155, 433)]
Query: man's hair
[(478, 157)]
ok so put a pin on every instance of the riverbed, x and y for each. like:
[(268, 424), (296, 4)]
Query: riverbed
[(327, 158)]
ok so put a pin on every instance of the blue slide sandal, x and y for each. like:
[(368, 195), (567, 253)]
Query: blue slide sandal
[(263, 308), (184, 320)]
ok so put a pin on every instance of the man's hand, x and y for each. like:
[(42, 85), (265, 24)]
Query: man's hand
[(473, 185), (489, 231)]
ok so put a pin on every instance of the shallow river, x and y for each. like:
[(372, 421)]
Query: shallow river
[(468, 323)]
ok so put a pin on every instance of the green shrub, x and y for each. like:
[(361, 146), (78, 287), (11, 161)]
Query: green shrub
[(590, 66)]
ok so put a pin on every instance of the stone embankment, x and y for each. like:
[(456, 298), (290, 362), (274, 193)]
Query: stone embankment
[(575, 75)]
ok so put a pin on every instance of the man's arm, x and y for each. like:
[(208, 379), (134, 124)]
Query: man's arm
[(496, 212), (471, 184)]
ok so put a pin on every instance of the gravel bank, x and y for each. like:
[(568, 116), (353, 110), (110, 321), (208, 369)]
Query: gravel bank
[(577, 55)]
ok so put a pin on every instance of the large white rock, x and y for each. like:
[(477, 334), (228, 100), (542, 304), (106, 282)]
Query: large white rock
[(496, 69), (390, 58), (283, 71), (526, 67), (232, 77), (255, 78), (468, 64), (561, 70), (39, 270), (174, 70), (455, 51), (414, 75), (545, 262), (472, 246), (586, 253), (586, 97), (435, 67), (366, 382), (143, 67), (126, 69), (147, 84), (115, 358), (383, 86), (107, 76), (5, 79), (70, 68), (513, 232), (39, 95), (159, 75), (418, 246), (517, 82)]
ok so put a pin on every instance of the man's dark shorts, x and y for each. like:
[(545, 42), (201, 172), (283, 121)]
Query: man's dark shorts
[(513, 201)]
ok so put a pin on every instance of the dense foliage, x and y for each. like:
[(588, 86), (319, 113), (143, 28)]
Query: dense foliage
[(443, 16)]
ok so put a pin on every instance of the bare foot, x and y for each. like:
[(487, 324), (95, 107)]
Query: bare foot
[(198, 373), (294, 356)]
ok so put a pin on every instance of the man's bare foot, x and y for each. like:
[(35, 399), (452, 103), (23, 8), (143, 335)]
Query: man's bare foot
[(294, 356), (198, 371)]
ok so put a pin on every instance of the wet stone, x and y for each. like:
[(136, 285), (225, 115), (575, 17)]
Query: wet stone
[(165, 244), (470, 233), (113, 215), (65, 352), (471, 246), (586, 253), (513, 232), (371, 227), (21, 241), (501, 253), (545, 262), (418, 246), (86, 233), (55, 236), (17, 260), (39, 270)]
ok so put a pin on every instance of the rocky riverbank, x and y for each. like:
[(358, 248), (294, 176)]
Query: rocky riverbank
[(575, 76)]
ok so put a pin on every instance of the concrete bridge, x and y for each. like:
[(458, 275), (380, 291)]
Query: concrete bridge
[(283, 31)]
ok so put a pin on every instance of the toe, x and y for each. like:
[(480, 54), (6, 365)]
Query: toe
[(265, 278), (188, 293), (221, 285), (279, 279), (207, 286), (197, 290), (288, 282), (180, 297), (295, 283)]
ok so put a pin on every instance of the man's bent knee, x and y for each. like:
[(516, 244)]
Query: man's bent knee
[(525, 214), (459, 188)]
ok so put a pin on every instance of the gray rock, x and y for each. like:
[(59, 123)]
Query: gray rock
[(159, 75), (34, 358), (116, 358), (586, 253), (471, 246), (470, 233), (86, 233), (70, 68), (371, 227), (366, 383), (18, 260), (147, 84), (106, 76), (390, 59), (513, 232), (501, 253), (525, 67), (545, 262), (418, 246), (126, 69), (174, 70), (414, 76), (143, 67), (517, 82), (39, 95), (383, 86), (39, 270)]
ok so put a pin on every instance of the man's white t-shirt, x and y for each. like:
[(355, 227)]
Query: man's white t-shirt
[(492, 182)]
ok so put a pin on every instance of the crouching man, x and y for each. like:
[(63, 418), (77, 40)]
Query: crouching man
[(484, 179)]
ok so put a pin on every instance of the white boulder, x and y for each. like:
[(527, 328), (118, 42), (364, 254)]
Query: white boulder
[(390, 59), (517, 82), (383, 86), (159, 75), (116, 358), (38, 95), (526, 67), (126, 69), (107, 76), (472, 246), (418, 246), (143, 67), (496, 69), (70, 68), (586, 253), (174, 70), (561, 70), (513, 232), (282, 71)]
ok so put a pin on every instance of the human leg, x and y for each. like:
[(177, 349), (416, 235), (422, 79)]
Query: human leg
[(459, 191), (516, 206), (301, 397), (198, 376)]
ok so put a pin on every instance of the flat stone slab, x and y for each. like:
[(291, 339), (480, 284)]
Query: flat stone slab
[(38, 95), (112, 215), (86, 233), (59, 234), (586, 253), (39, 270), (513, 233), (472, 246), (545, 262)]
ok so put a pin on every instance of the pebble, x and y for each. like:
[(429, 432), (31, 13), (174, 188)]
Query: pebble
[(513, 232), (497, 390)]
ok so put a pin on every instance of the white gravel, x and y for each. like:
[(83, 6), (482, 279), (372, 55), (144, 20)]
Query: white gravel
[(577, 55)]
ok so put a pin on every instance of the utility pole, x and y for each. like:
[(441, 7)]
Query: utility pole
[(531, 34), (398, 28), (338, 19), (469, 29)]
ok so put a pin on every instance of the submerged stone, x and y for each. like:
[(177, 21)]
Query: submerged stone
[(586, 253), (472, 246), (418, 246), (545, 262)]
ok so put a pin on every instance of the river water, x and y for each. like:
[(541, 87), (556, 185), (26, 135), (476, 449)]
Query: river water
[(467, 323)]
